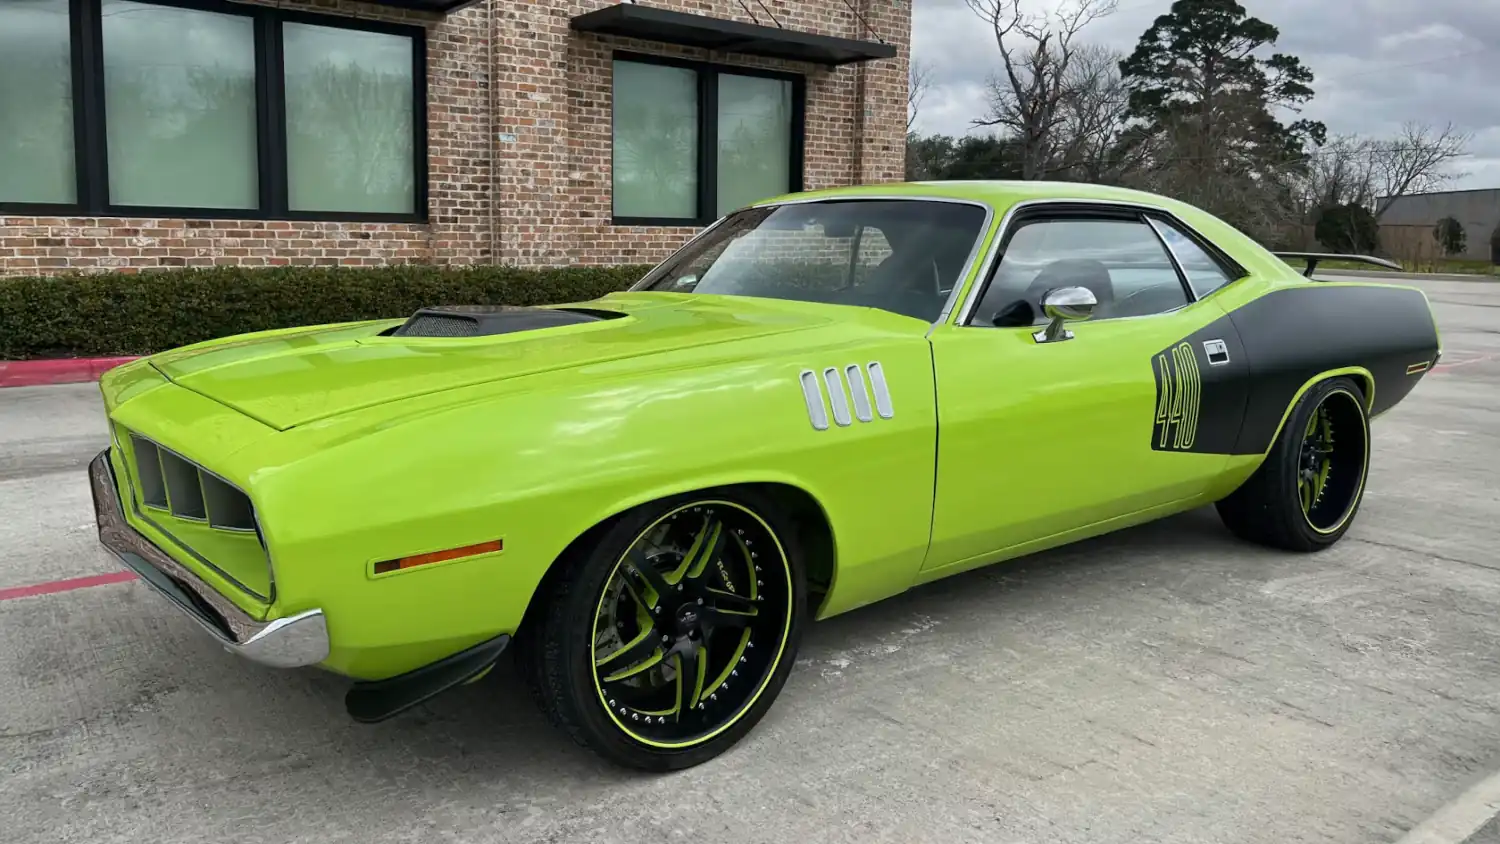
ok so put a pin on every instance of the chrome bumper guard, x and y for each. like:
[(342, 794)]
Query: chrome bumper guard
[(292, 642)]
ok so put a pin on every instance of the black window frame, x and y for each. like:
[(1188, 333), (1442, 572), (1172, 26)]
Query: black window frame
[(708, 74), (1228, 266), (1069, 210), (90, 139)]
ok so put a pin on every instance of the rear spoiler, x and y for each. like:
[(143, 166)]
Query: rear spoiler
[(1312, 259)]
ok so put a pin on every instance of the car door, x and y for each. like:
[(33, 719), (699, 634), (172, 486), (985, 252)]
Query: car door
[(1037, 438)]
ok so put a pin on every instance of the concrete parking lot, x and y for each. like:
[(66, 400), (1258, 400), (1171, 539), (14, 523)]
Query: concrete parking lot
[(1166, 683)]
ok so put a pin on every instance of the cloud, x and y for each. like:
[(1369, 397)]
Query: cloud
[(1375, 67)]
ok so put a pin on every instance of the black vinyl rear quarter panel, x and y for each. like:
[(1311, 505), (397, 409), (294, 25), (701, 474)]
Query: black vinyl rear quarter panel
[(1282, 340)]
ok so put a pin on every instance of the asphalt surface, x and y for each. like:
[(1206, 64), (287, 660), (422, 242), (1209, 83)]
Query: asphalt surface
[(1165, 683)]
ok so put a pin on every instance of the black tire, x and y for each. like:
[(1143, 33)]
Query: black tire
[(1268, 508), (598, 580)]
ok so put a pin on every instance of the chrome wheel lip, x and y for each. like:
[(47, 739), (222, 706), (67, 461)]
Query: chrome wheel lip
[(757, 653)]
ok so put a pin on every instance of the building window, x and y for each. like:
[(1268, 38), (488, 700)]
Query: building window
[(755, 139), (179, 107), (692, 142), (202, 108), (348, 120), (655, 141), (36, 103)]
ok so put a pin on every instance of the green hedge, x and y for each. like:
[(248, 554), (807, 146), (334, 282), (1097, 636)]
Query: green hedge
[(91, 315)]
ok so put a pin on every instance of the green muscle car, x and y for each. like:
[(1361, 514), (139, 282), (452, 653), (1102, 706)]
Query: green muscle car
[(817, 403)]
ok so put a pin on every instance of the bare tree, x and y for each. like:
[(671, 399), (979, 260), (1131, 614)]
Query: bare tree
[(918, 83), (1416, 161), (1036, 53), (1342, 172), (1094, 116)]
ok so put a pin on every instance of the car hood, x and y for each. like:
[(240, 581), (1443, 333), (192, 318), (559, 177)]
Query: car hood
[(296, 377)]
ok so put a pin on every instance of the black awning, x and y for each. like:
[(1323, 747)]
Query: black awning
[(631, 21)]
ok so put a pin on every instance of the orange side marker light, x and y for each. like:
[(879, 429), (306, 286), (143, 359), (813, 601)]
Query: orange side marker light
[(439, 556)]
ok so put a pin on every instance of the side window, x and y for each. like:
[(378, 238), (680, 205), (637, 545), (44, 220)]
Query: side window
[(1204, 274), (1121, 260)]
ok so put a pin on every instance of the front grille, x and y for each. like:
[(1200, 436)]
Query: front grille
[(171, 482)]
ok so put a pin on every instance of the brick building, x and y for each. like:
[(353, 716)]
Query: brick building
[(151, 133)]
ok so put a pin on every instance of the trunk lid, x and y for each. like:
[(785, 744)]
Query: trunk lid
[(299, 377)]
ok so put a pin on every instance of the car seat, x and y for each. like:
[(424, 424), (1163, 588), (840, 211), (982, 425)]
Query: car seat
[(1073, 272)]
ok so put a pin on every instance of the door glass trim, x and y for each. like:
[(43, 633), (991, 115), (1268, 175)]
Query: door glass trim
[(963, 312)]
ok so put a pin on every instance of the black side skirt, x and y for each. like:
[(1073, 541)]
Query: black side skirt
[(369, 702)]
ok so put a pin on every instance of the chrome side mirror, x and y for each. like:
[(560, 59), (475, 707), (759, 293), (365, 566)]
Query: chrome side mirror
[(1065, 304)]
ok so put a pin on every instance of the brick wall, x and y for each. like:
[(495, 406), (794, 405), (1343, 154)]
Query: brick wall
[(519, 153)]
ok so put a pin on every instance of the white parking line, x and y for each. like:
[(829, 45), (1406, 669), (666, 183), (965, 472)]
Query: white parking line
[(1462, 817)]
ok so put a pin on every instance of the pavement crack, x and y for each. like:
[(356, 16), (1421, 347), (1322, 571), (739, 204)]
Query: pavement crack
[(1395, 547)]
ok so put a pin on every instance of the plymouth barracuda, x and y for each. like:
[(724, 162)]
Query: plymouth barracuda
[(818, 402)]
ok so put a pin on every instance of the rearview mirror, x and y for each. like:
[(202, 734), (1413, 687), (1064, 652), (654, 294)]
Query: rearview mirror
[(1065, 304)]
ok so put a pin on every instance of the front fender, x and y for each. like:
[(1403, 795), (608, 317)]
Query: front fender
[(537, 461)]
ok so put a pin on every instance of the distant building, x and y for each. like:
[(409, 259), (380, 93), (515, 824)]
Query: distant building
[(1408, 220)]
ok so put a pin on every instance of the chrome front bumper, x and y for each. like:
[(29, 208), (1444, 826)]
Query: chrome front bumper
[(291, 642)]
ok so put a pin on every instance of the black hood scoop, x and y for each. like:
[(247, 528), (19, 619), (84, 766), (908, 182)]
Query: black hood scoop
[(487, 320)]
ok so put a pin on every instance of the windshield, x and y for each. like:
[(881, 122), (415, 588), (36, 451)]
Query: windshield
[(898, 255)]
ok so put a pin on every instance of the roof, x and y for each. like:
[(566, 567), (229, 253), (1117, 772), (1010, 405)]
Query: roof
[(1430, 193), (997, 193), (1001, 195)]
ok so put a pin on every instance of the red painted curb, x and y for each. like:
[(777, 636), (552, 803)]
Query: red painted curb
[(69, 585), (32, 373)]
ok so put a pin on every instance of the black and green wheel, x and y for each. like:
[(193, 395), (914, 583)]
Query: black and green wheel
[(664, 641), (1306, 493)]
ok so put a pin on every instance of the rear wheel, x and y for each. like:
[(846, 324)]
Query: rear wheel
[(1306, 493), (664, 642)]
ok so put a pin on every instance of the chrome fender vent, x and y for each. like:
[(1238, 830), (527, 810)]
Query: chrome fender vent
[(850, 393)]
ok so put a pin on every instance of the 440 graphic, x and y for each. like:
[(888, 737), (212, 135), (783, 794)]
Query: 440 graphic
[(1179, 395)]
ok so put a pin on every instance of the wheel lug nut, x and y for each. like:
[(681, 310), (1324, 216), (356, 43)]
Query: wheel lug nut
[(700, 601), (666, 638), (759, 583)]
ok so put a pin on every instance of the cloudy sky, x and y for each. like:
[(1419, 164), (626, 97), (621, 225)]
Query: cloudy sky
[(1376, 63)]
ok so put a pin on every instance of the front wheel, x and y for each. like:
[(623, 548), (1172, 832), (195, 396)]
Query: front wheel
[(1306, 493), (668, 638)]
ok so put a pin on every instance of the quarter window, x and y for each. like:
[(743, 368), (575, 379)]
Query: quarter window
[(693, 142), (1204, 274), (1121, 260)]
